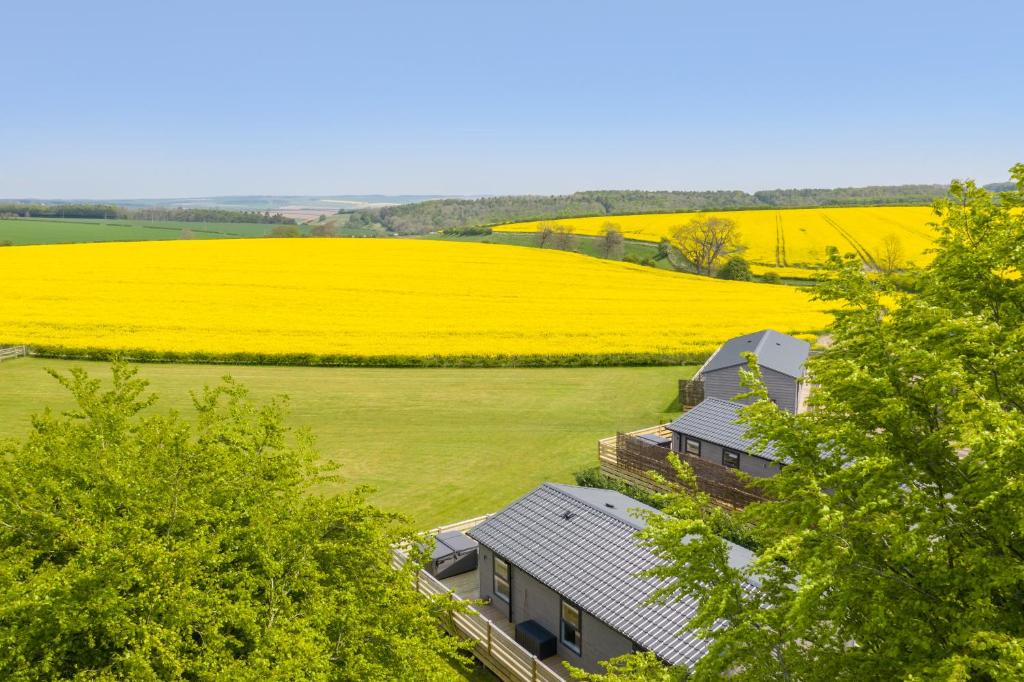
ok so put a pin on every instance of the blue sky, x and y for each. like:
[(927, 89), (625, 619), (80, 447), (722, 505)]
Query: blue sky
[(146, 99)]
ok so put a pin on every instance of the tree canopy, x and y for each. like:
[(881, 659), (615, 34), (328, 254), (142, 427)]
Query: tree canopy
[(137, 545), (893, 547)]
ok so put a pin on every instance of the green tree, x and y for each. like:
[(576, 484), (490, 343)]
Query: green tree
[(641, 667), (323, 230), (771, 277), (894, 544), (613, 244), (736, 268), (706, 240), (145, 546)]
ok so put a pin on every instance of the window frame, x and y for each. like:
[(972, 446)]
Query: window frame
[(507, 579), (686, 446), (571, 646), (726, 452)]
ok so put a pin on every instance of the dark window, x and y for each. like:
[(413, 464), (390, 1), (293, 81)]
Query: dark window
[(731, 458), (572, 634), (693, 447), (502, 579)]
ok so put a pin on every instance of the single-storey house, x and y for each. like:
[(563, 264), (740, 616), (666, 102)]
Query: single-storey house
[(781, 358), (563, 561), (710, 431)]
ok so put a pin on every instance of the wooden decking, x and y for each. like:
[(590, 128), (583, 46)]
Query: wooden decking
[(467, 586), (486, 625), (628, 458)]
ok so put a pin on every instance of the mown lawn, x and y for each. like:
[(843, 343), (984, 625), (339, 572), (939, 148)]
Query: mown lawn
[(438, 444)]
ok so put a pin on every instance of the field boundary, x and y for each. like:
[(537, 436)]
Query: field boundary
[(406, 361)]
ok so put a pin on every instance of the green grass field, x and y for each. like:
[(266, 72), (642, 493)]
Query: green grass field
[(588, 246), (20, 231), (438, 444)]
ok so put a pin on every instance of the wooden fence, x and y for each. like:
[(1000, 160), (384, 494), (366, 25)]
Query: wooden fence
[(691, 393), (498, 651), (10, 352), (629, 458)]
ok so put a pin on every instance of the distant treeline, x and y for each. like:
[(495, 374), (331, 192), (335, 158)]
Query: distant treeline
[(429, 216), (108, 212)]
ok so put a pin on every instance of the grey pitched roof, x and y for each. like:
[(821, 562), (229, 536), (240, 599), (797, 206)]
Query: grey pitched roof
[(570, 540), (714, 420), (775, 350)]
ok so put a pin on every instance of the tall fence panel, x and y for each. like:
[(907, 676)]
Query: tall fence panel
[(630, 458), (691, 393)]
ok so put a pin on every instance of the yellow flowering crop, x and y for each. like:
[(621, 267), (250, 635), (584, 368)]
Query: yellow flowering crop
[(373, 297), (788, 237)]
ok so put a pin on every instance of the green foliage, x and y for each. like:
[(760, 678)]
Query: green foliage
[(286, 231), (323, 230), (736, 268), (642, 667), (137, 545), (770, 277), (338, 360), (894, 547), (466, 231), (428, 216), (721, 523)]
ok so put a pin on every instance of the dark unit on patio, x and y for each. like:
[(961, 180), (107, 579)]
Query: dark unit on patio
[(454, 553)]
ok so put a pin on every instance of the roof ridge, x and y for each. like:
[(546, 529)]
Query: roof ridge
[(594, 507)]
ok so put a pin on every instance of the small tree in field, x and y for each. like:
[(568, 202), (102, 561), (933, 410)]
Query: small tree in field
[(706, 240), (563, 238), (141, 546), (544, 234), (613, 244), (890, 255)]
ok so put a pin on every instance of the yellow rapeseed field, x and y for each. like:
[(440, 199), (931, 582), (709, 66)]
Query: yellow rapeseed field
[(373, 297), (788, 237)]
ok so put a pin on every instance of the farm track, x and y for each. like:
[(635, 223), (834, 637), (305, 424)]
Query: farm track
[(864, 254), (780, 241)]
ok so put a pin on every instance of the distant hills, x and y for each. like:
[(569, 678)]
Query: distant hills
[(428, 216)]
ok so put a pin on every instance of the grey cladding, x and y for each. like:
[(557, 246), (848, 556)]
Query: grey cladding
[(714, 420)]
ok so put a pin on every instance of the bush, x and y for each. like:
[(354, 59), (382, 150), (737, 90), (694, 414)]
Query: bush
[(771, 278), (285, 231), (736, 268), (466, 231)]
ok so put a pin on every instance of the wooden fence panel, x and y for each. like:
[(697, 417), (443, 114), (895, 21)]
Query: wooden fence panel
[(691, 393), (720, 482)]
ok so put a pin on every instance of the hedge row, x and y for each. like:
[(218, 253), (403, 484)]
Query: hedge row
[(335, 360)]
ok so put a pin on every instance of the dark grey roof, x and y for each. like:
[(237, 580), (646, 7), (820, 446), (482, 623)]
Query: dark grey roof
[(714, 420), (775, 350), (569, 539)]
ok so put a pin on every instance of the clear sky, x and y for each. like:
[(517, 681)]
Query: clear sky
[(106, 99)]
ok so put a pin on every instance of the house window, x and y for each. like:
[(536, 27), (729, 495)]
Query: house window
[(502, 579), (731, 458), (693, 447), (572, 636)]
